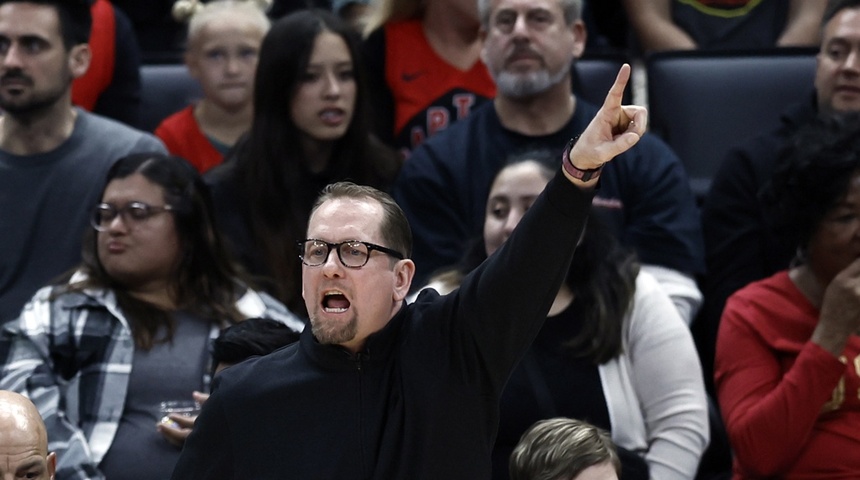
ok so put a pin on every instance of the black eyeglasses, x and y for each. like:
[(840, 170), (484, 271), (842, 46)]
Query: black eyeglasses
[(132, 214), (352, 253)]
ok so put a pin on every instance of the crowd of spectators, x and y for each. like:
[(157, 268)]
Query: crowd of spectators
[(124, 251)]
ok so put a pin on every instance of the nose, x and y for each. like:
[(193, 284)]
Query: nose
[(332, 85), (520, 27), (332, 268), (852, 61), (12, 56), (117, 225), (513, 219), (233, 64)]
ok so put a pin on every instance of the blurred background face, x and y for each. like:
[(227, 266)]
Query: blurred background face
[(142, 253), (324, 101), (837, 77), (223, 58), (34, 63), (836, 241), (528, 45), (514, 191)]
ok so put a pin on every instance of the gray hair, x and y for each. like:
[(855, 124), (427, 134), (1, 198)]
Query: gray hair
[(572, 10)]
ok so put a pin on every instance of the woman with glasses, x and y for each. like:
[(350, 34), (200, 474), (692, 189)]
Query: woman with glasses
[(310, 128), (613, 350), (130, 328)]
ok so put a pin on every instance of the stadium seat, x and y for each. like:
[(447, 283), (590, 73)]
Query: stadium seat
[(165, 89), (593, 74), (703, 103)]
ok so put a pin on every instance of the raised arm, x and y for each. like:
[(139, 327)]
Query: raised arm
[(803, 24), (613, 131), (499, 308)]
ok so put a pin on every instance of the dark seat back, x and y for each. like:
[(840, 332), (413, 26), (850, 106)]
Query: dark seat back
[(593, 74), (704, 103), (165, 89)]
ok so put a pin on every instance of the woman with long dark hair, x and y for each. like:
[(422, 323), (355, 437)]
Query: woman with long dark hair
[(310, 129)]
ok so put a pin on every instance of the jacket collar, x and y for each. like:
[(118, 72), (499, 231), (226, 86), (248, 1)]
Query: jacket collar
[(378, 348), (91, 298)]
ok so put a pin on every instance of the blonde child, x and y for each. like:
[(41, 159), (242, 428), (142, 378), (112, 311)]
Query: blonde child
[(224, 38)]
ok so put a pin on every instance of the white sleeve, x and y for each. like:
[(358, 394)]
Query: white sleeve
[(680, 287), (667, 376)]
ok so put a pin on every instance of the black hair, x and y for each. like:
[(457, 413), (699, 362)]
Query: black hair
[(205, 280), (813, 174), (602, 277), (249, 338), (75, 19), (269, 166), (835, 6)]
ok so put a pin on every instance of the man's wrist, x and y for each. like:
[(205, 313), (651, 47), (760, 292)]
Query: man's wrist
[(581, 174)]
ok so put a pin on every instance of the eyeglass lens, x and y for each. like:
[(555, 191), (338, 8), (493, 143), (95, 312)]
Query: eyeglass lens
[(134, 212), (352, 254)]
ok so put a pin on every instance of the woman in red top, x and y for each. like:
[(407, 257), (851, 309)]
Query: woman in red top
[(788, 356)]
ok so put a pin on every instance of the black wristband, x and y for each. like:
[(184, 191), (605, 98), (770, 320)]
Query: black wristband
[(573, 170)]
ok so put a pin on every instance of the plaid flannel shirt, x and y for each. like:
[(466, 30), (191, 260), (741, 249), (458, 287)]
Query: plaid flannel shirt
[(72, 356)]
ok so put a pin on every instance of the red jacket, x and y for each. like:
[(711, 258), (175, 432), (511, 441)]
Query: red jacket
[(87, 88)]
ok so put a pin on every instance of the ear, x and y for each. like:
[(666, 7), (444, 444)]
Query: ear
[(404, 271), (580, 35), (79, 60), (52, 465)]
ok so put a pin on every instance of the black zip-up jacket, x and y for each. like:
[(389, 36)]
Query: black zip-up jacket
[(420, 401)]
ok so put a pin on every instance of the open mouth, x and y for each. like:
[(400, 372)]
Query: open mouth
[(335, 302), (332, 116)]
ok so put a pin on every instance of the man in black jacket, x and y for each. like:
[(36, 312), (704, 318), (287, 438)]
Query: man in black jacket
[(376, 388)]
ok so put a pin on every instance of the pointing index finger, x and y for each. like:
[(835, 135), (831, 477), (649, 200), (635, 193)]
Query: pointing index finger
[(616, 93)]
